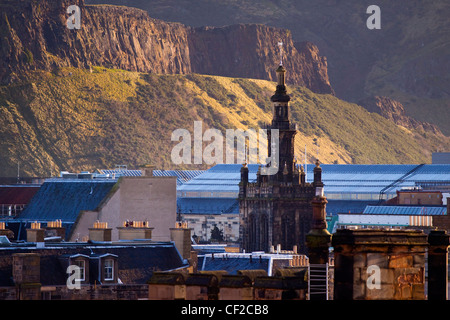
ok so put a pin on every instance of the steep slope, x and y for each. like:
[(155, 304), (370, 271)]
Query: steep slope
[(251, 51), (407, 60), (78, 120), (395, 111), (33, 35)]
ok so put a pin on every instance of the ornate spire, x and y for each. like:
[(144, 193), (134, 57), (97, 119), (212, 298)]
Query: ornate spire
[(281, 93)]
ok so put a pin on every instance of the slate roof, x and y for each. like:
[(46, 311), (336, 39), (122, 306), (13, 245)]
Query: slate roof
[(344, 206), (60, 199), (136, 261), (233, 264)]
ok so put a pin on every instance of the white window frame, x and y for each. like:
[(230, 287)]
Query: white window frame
[(108, 269), (81, 264)]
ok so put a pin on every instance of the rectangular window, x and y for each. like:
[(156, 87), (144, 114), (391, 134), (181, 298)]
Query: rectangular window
[(81, 264), (109, 269)]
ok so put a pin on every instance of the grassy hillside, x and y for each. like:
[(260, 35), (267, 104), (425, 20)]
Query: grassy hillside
[(76, 120), (406, 60)]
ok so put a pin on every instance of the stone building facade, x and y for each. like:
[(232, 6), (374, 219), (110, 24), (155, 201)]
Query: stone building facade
[(145, 198), (276, 209)]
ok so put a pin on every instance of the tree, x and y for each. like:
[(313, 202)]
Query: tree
[(216, 234)]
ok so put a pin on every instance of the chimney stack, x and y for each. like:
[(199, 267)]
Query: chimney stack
[(135, 230), (6, 232), (181, 236), (26, 272), (55, 229), (35, 233), (147, 170), (100, 232)]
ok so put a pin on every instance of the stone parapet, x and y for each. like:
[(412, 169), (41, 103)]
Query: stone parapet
[(379, 264)]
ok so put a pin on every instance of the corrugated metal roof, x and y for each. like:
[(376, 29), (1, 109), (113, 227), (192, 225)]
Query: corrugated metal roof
[(122, 172), (406, 210), (182, 175), (341, 178)]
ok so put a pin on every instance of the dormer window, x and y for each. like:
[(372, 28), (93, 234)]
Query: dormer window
[(81, 264), (106, 266), (80, 261)]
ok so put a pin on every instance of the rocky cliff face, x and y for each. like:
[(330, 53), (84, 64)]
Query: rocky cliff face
[(33, 35), (251, 51), (395, 111)]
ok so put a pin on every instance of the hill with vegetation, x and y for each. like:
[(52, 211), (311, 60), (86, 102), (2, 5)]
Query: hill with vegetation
[(407, 60), (76, 120)]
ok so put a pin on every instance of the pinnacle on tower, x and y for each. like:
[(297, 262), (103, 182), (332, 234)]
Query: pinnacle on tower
[(281, 92)]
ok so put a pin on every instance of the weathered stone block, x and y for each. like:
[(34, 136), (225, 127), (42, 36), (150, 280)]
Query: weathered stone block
[(418, 292), (356, 275), (385, 292), (378, 259), (400, 249), (359, 261), (400, 261), (359, 291), (418, 260)]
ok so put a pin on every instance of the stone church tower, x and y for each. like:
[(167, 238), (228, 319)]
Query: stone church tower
[(276, 209)]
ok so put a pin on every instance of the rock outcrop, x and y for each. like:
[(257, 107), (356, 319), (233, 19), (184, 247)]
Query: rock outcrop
[(34, 35), (395, 111), (251, 51)]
